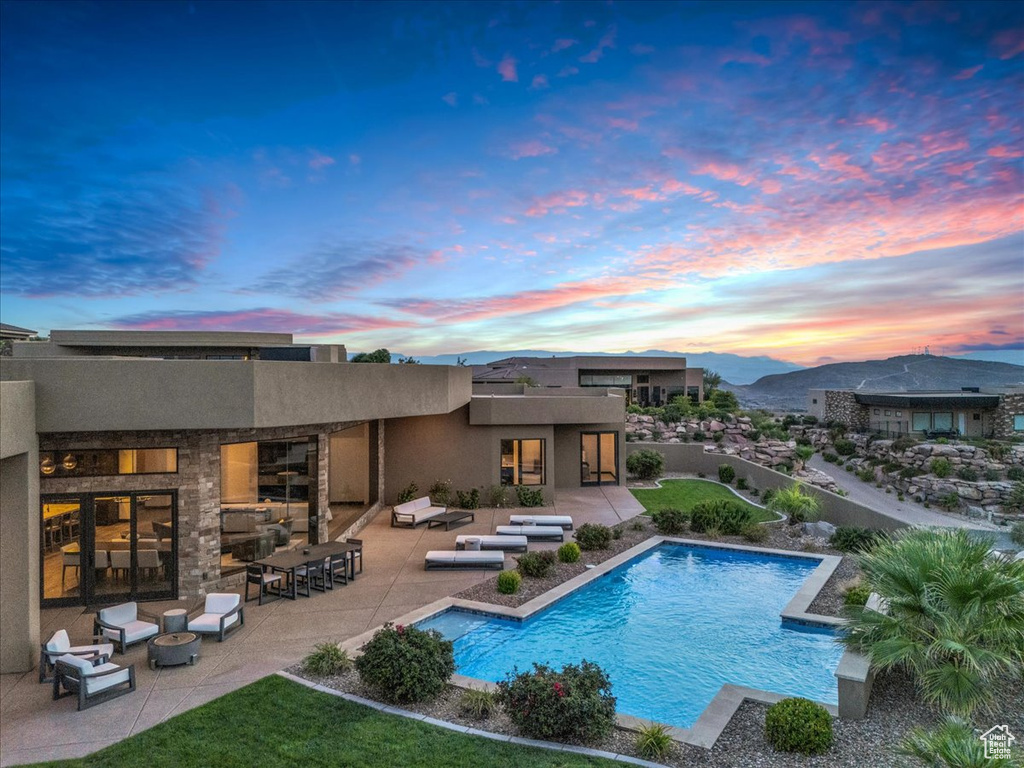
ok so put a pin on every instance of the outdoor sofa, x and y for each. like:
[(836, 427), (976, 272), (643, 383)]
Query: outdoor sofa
[(562, 521), (415, 512), (436, 559), (547, 532), (506, 543)]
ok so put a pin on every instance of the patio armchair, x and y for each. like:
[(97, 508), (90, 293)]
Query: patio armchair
[(309, 575), (256, 574), (222, 613), (149, 560), (59, 645), (120, 562), (121, 623), (91, 680), (358, 554), (337, 568)]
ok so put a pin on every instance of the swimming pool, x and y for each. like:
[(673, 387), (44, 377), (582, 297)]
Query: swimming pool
[(670, 627)]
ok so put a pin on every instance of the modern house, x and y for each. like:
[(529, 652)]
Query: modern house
[(15, 332), (126, 475), (646, 380), (969, 412)]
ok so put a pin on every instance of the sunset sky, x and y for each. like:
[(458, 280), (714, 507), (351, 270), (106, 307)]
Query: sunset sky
[(814, 182)]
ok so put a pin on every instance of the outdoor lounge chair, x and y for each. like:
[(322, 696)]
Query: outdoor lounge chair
[(562, 521), (121, 624), (222, 613), (461, 559), (548, 532), (506, 543), (60, 644), (310, 575), (92, 684), (414, 513)]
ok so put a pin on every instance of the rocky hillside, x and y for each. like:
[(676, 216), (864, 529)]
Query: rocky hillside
[(788, 391)]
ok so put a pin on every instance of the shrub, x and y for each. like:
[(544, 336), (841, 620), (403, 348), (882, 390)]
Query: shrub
[(469, 499), (953, 744), (719, 437), (478, 705), (529, 497), (646, 464), (852, 539), (768, 495), (804, 452), (908, 473), (831, 458), (699, 437), (327, 659), (857, 595), (755, 533), (569, 552), (1017, 534), (653, 742), (616, 533), (803, 440), (991, 475), (500, 495), (726, 473), (408, 493), (1015, 502), (536, 565), (509, 582), (903, 443), (670, 522), (404, 664), (575, 703), (969, 474), (1016, 474), (701, 475), (866, 473), (795, 504), (941, 467), (845, 447), (741, 484), (954, 618), (950, 501), (726, 517), (593, 536), (638, 525), (798, 725), (809, 421), (441, 492), (789, 420), (891, 466)]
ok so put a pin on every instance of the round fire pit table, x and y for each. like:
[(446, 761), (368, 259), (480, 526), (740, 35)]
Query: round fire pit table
[(173, 648)]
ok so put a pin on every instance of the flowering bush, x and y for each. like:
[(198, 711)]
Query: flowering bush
[(575, 703), (404, 664)]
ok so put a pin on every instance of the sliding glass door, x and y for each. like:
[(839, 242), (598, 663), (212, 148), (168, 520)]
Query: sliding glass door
[(599, 458), (105, 548)]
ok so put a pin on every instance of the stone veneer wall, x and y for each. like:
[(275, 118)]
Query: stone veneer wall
[(842, 406), (1010, 405), (197, 483)]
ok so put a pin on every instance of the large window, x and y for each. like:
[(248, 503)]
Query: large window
[(1018, 423), (606, 380), (922, 422), (522, 462), (96, 463)]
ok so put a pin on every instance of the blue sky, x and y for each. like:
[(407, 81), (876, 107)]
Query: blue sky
[(810, 181)]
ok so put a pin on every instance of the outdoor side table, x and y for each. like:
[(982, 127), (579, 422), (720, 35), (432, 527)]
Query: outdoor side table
[(173, 648), (175, 620)]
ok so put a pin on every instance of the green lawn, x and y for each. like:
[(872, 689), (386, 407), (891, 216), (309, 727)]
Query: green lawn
[(683, 494), (276, 722)]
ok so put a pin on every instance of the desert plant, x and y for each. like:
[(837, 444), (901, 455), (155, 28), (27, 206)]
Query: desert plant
[(670, 522), (954, 617), (404, 664), (536, 565), (830, 457), (1015, 474), (500, 496), (804, 452), (653, 742), (903, 443), (1015, 501), (1017, 533), (616, 533), (866, 474), (949, 501), (968, 474), (575, 703), (742, 484), (798, 725), (755, 533), (408, 493), (728, 518), (326, 660), (529, 497), (469, 499), (509, 582), (699, 437), (593, 536), (767, 495), (852, 539), (856, 595), (726, 473), (991, 475), (478, 705), (798, 506), (941, 467), (637, 525), (845, 447), (441, 492), (646, 464), (569, 552), (953, 744)]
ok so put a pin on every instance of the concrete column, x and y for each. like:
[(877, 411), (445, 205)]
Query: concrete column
[(19, 562), (323, 470), (380, 461), (199, 518)]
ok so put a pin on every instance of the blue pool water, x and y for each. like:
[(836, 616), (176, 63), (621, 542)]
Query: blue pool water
[(670, 627)]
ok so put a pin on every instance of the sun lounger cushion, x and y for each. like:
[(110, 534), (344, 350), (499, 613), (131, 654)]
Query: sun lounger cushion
[(562, 521), (531, 531), (494, 542), (457, 559), (418, 510)]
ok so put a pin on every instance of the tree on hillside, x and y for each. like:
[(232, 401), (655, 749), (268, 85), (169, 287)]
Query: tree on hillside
[(711, 382), (377, 356), (408, 361)]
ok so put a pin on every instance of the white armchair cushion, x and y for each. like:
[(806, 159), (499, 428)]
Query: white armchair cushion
[(120, 615), (210, 622), (134, 631), (100, 649), (84, 666), (59, 643), (221, 602), (95, 685)]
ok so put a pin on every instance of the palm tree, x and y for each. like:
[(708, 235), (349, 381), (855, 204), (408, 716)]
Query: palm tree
[(953, 617), (712, 380), (954, 744), (795, 504)]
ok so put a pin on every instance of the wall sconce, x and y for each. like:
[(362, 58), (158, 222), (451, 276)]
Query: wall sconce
[(46, 466), (69, 461)]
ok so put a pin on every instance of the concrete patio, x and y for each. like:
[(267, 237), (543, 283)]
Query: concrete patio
[(34, 728)]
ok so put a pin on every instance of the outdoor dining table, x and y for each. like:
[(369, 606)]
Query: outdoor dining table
[(287, 562)]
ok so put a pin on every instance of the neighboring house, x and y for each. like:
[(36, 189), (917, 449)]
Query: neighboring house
[(969, 412), (15, 333), (127, 478), (646, 380)]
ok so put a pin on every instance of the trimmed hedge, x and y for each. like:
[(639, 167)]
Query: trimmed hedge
[(798, 725)]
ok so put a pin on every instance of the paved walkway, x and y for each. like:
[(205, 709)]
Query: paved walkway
[(34, 728)]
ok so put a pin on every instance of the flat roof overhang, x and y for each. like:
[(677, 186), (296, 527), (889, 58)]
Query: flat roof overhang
[(601, 407), (82, 394), (951, 401)]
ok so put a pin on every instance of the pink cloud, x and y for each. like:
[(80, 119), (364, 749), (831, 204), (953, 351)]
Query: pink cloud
[(507, 69), (1005, 152), (607, 41), (967, 74), (557, 202), (320, 160), (261, 319), (939, 143), (623, 123), (673, 186), (877, 124), (451, 99), (568, 71), (643, 193), (532, 148), (539, 82), (562, 43), (743, 57), (1009, 43), (726, 172), (840, 163)]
